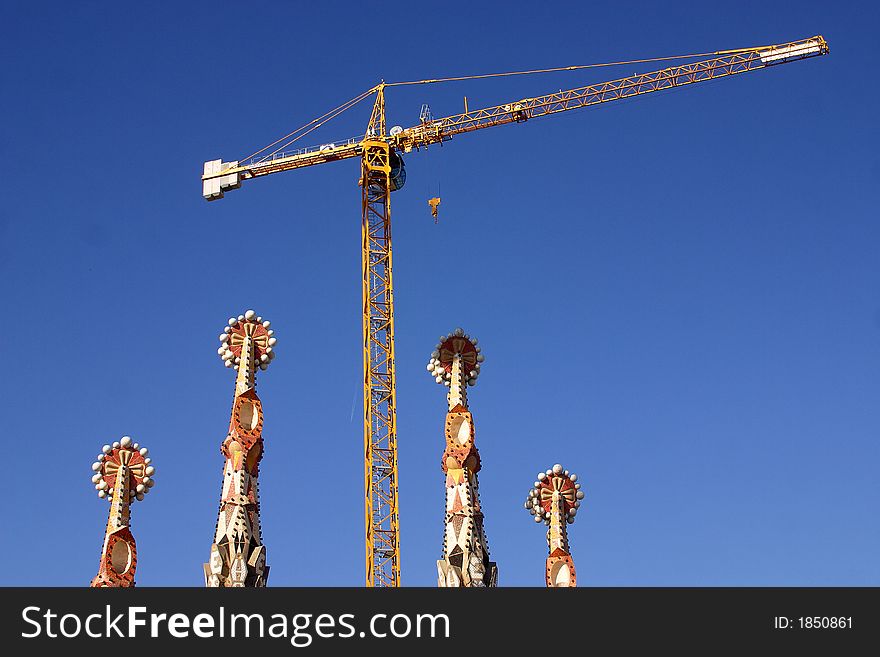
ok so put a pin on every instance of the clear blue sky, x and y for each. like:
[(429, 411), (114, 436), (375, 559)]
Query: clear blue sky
[(678, 296)]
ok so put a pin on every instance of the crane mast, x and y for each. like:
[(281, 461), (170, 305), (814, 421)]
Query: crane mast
[(380, 398), (381, 174)]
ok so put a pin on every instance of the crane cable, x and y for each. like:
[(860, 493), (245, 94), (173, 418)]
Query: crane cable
[(563, 68), (314, 123)]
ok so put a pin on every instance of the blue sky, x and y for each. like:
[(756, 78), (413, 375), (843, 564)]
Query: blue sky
[(677, 295)]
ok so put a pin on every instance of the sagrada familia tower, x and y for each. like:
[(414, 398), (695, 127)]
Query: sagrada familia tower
[(238, 556), (123, 474), (455, 363), (554, 500)]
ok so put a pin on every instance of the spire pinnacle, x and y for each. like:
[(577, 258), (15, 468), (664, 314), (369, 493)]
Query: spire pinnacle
[(247, 343), (123, 474), (238, 556), (455, 363), (554, 500)]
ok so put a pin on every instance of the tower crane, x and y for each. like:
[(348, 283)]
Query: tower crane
[(382, 172)]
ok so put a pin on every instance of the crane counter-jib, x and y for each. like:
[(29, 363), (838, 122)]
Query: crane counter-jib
[(220, 177)]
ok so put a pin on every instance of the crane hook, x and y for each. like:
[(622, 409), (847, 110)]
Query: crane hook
[(434, 203)]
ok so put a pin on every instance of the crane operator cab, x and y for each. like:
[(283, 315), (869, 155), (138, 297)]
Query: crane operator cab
[(398, 171)]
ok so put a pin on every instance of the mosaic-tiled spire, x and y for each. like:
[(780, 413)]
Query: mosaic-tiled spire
[(456, 363), (122, 474), (238, 556), (554, 500)]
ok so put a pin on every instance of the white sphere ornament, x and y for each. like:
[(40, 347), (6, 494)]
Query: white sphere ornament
[(96, 478), (537, 518), (102, 493), (430, 367), (106, 448), (116, 445), (232, 321), (557, 469), (139, 497), (126, 441), (140, 488), (150, 470), (249, 315), (573, 477), (96, 466), (267, 324), (144, 451)]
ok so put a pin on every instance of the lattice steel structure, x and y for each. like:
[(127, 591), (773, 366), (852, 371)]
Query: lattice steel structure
[(380, 402)]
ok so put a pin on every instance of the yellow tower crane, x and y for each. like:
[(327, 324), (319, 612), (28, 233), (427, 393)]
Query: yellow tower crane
[(382, 172)]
